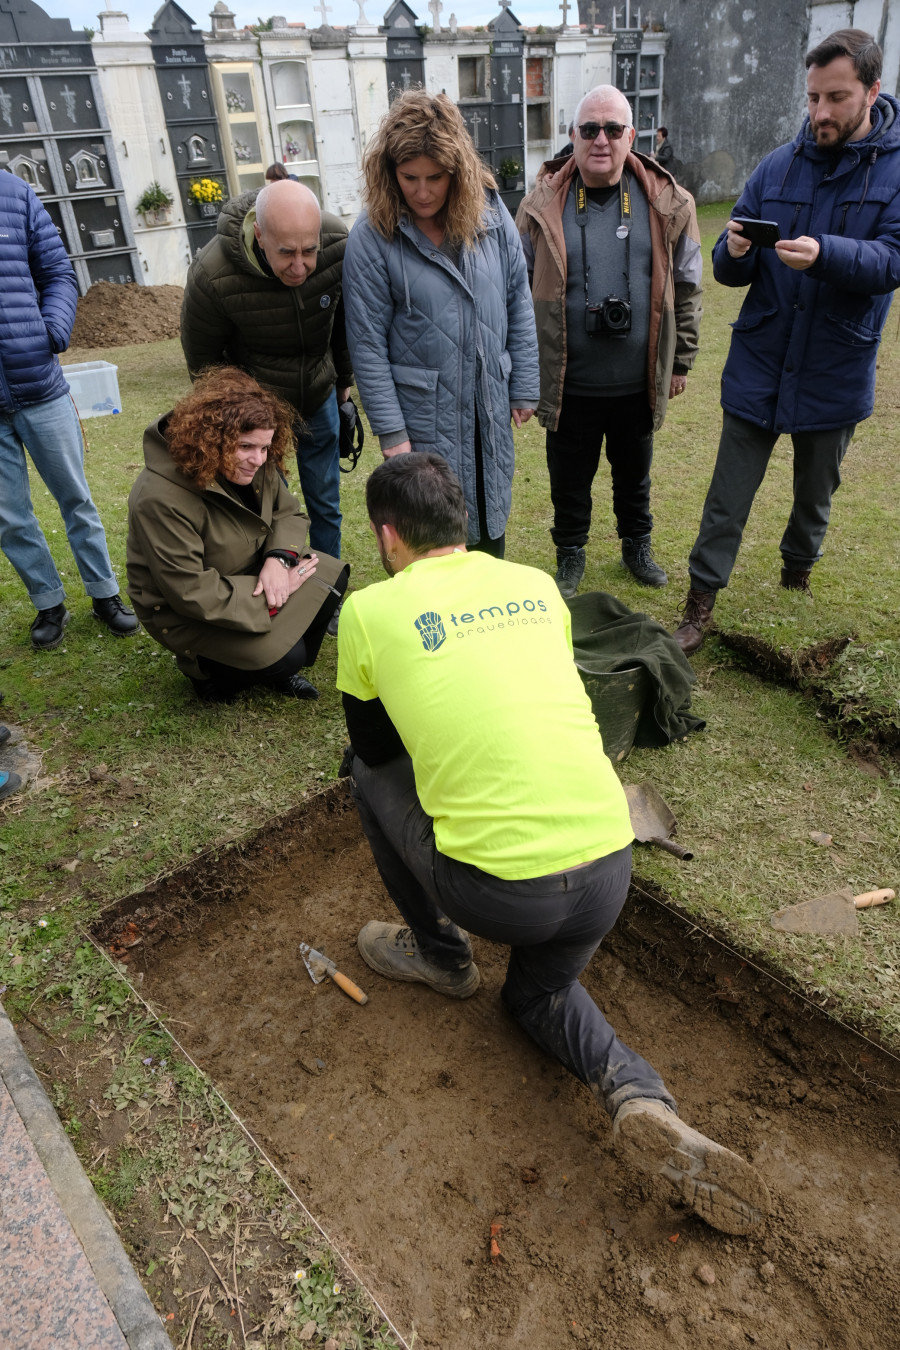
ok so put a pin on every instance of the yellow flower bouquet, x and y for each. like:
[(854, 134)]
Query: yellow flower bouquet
[(206, 190)]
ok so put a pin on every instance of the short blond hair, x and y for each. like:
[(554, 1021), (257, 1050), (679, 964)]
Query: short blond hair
[(419, 123)]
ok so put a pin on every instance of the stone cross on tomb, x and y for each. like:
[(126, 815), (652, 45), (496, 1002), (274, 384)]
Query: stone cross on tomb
[(69, 96), (506, 73), (405, 78), (435, 7), (324, 10), (361, 20), (592, 13), (184, 85), (475, 121), (505, 4), (565, 12), (6, 107)]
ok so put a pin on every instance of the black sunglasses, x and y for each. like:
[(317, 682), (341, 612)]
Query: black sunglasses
[(589, 131)]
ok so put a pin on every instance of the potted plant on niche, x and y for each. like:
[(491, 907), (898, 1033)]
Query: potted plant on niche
[(155, 205), (509, 171), (208, 195)]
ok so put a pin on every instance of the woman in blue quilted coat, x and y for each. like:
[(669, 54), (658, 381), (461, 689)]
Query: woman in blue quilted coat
[(440, 323)]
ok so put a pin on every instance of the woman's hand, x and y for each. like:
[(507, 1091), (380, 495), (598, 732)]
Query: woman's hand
[(279, 582), (521, 415), (404, 448)]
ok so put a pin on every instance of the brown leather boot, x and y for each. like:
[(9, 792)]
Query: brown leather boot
[(796, 581), (697, 610)]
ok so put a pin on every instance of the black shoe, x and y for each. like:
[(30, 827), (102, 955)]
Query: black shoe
[(9, 783), (49, 626), (4, 735), (210, 692), (569, 570), (119, 619), (794, 580), (332, 629), (295, 686), (637, 556)]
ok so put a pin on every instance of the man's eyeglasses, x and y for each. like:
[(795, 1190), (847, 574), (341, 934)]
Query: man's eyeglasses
[(589, 131)]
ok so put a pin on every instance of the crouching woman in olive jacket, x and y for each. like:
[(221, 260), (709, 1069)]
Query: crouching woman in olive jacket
[(219, 569)]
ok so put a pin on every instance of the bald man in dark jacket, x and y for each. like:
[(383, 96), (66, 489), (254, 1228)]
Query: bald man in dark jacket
[(265, 295)]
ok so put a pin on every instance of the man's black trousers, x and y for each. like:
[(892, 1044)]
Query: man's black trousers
[(552, 924), (573, 456)]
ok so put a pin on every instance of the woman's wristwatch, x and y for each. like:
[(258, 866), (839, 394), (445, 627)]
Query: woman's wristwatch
[(287, 560)]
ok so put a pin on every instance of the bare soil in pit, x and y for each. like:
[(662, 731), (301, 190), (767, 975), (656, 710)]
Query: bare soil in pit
[(413, 1125)]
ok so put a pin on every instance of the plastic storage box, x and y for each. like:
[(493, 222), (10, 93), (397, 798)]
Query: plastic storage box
[(95, 387)]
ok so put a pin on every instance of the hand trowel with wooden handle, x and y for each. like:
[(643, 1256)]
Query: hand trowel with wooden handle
[(834, 913)]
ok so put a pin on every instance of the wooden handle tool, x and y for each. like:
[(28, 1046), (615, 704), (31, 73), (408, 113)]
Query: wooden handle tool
[(869, 898)]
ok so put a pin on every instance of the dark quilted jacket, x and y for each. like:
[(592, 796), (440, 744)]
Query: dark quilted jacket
[(290, 338), (39, 296)]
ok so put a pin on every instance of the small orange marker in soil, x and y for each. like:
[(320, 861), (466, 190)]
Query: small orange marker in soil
[(496, 1254)]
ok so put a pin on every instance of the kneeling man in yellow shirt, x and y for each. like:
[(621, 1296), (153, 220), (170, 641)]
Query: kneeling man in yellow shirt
[(490, 807)]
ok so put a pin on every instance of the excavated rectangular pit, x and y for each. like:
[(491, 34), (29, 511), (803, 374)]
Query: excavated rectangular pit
[(411, 1125)]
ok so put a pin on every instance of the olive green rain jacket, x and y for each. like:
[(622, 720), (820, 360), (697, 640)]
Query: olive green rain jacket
[(194, 556)]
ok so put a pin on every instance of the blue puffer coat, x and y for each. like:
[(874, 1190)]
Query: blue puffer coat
[(430, 343), (803, 351), (39, 296)]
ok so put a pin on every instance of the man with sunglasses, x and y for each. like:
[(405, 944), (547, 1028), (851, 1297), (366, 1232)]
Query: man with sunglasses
[(613, 253)]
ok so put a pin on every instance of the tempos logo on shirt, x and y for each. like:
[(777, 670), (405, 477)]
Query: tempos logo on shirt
[(434, 635), (431, 630)]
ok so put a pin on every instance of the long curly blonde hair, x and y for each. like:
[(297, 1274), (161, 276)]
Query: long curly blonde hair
[(419, 123)]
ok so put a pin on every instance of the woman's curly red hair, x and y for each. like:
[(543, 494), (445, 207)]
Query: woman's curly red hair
[(203, 430)]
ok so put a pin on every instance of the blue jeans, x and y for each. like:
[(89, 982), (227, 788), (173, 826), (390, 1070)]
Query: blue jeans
[(52, 434), (319, 463), (552, 924)]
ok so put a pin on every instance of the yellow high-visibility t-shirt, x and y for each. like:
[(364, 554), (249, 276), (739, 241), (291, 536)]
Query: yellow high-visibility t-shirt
[(472, 659)]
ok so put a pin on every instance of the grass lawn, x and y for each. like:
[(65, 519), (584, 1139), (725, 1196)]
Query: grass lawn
[(772, 768)]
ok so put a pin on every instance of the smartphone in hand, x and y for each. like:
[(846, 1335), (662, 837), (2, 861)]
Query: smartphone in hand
[(763, 233)]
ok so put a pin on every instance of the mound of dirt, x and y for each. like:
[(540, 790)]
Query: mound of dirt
[(111, 315)]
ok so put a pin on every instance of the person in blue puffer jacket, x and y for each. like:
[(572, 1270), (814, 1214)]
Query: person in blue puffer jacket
[(803, 350), (36, 410), (440, 322)]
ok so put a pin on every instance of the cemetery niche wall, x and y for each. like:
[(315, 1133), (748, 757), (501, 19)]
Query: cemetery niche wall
[(405, 65), (182, 72), (54, 135)]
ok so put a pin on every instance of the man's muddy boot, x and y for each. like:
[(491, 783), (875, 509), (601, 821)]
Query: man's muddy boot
[(393, 951), (717, 1184), (697, 610), (569, 570)]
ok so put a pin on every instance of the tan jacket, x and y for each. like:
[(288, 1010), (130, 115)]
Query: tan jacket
[(674, 284), (194, 556)]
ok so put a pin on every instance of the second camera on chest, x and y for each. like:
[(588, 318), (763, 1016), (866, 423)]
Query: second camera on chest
[(611, 318)]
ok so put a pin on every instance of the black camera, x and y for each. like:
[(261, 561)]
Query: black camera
[(611, 317)]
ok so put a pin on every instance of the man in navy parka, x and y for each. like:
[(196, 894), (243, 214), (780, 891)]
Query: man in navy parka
[(803, 350)]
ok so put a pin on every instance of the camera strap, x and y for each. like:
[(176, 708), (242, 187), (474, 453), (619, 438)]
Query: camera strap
[(623, 231)]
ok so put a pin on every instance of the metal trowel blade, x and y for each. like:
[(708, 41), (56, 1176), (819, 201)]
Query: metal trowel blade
[(834, 913)]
